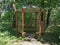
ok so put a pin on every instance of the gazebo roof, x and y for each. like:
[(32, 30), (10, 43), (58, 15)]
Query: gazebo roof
[(29, 9)]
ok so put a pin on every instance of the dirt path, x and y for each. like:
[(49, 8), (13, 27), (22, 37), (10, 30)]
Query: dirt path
[(29, 43)]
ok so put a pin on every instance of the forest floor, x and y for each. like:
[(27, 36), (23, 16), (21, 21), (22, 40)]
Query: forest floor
[(8, 37)]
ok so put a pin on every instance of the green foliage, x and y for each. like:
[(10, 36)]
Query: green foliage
[(8, 34)]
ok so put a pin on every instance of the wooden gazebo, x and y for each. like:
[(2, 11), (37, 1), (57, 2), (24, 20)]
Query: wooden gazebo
[(32, 9)]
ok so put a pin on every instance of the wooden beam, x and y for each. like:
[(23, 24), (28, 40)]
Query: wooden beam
[(29, 10)]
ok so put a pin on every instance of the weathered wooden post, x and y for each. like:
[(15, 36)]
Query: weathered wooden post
[(44, 22), (41, 23), (23, 15), (16, 13)]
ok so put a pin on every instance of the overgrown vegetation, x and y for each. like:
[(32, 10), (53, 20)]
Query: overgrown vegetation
[(8, 33)]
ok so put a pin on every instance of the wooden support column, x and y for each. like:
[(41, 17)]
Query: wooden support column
[(44, 21), (41, 24), (16, 13), (23, 14)]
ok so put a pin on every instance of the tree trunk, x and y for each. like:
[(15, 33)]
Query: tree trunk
[(48, 17)]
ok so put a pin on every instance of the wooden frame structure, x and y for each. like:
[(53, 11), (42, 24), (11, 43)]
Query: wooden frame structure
[(36, 10)]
